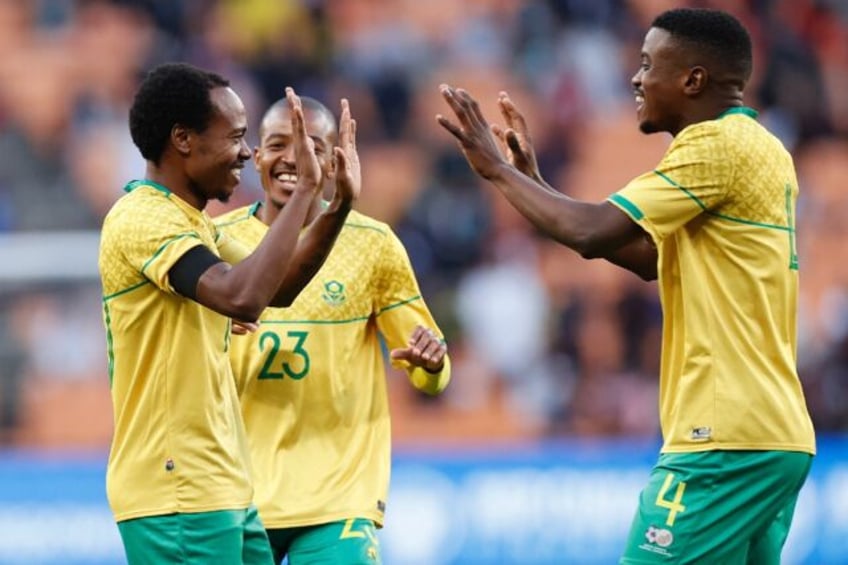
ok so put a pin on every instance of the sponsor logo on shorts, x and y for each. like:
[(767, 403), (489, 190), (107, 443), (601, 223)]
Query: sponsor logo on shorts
[(704, 432), (658, 540)]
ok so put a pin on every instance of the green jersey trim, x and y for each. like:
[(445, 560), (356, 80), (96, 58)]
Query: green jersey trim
[(719, 215), (109, 297), (251, 211), (166, 244), (346, 321), (745, 110), (110, 352), (132, 185), (398, 304), (318, 322), (628, 206)]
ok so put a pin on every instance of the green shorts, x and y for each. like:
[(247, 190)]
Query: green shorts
[(346, 542), (223, 536), (723, 507)]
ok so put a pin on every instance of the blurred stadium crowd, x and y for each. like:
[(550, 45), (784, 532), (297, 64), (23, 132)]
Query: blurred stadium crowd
[(543, 343)]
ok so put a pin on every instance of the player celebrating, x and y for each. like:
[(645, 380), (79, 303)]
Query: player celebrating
[(311, 380), (177, 479), (718, 211)]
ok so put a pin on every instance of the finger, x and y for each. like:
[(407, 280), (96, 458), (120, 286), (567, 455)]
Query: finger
[(454, 130), (353, 135), (499, 134), (344, 124), (451, 97), (401, 353), (433, 352), (513, 142), (515, 118), (475, 114)]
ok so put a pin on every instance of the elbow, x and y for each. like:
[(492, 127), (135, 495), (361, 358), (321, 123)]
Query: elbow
[(590, 247), (246, 309), (647, 275)]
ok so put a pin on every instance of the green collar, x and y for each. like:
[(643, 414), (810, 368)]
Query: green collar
[(132, 185), (750, 112)]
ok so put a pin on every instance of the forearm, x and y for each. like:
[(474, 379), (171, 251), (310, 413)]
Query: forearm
[(430, 383), (311, 251), (255, 281), (581, 226)]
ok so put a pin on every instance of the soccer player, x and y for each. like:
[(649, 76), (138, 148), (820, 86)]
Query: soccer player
[(718, 211), (178, 481), (311, 380)]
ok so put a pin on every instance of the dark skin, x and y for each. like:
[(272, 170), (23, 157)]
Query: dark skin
[(674, 88), (275, 161), (200, 166)]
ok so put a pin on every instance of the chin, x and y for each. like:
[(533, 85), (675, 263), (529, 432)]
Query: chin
[(648, 127)]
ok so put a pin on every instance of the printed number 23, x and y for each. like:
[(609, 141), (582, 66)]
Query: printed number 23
[(275, 345)]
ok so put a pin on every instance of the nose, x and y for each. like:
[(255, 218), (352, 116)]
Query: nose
[(636, 80), (244, 151)]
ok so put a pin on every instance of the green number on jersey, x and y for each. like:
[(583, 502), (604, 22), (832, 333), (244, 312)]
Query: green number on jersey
[(288, 369)]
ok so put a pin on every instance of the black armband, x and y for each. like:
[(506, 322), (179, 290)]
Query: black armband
[(188, 269)]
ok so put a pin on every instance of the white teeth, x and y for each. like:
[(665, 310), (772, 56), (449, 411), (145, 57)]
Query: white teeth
[(286, 177), (640, 99)]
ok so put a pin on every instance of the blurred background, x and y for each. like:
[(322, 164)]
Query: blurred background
[(538, 449)]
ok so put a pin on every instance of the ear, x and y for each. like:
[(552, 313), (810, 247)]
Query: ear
[(696, 80), (256, 158), (181, 139)]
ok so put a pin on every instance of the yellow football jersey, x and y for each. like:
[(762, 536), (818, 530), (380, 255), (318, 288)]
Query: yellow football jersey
[(720, 207), (179, 443), (312, 381)]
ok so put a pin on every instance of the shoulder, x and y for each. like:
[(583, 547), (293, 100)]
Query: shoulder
[(143, 205), (358, 222), (235, 216)]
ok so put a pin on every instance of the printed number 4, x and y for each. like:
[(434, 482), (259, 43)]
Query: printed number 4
[(674, 507), (275, 346)]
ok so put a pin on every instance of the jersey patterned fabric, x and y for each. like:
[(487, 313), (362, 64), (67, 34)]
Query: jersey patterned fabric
[(179, 443), (312, 381), (720, 209)]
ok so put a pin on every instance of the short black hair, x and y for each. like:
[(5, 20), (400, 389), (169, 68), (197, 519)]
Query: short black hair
[(170, 94), (308, 103), (717, 34)]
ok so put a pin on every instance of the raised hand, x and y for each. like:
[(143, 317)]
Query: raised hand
[(474, 134), (308, 168), (424, 349), (348, 172), (516, 139)]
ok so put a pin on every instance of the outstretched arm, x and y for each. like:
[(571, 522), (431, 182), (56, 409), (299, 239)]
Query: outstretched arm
[(315, 244), (242, 291), (593, 230)]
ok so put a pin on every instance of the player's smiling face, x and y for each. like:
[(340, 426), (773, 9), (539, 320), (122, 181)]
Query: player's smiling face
[(219, 152), (658, 84), (274, 158)]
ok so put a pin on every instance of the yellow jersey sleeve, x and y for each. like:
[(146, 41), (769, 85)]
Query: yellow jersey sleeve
[(153, 243), (232, 250), (692, 178)]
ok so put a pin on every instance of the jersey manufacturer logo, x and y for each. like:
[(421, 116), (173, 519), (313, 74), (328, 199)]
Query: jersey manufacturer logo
[(334, 293), (704, 432)]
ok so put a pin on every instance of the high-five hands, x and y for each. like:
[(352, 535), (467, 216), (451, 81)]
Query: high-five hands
[(308, 168), (348, 172), (515, 139), (474, 134), (424, 349)]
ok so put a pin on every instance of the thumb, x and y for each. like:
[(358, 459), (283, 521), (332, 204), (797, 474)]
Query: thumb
[(401, 353)]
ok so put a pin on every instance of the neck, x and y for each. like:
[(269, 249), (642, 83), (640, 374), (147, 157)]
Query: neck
[(710, 110), (176, 182)]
